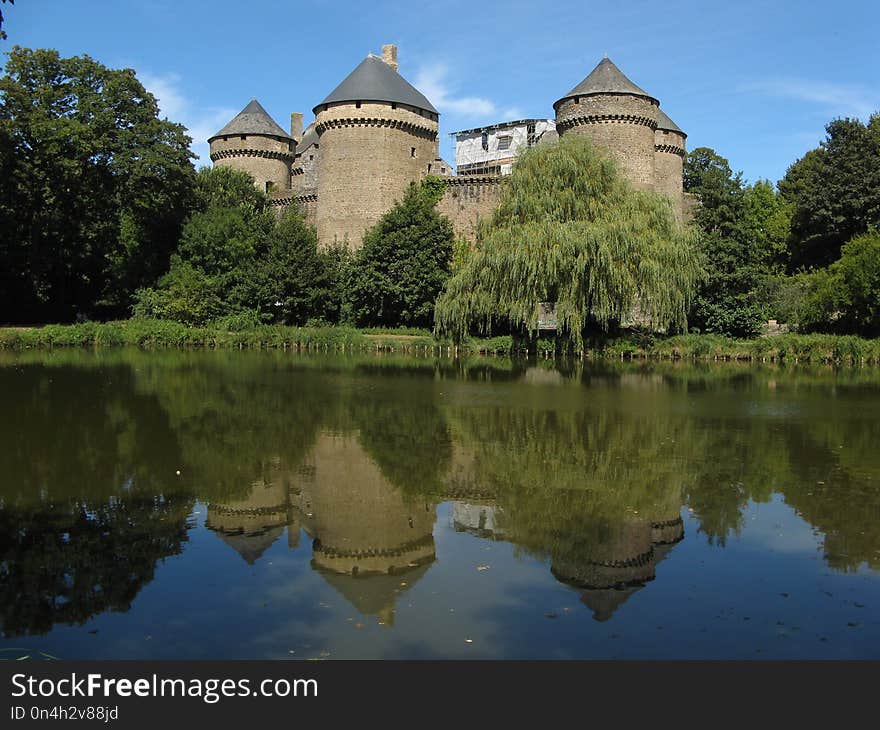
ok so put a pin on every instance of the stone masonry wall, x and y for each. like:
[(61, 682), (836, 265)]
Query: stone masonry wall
[(304, 175), (307, 204), (669, 152), (368, 157), (468, 200), (622, 124), (266, 159)]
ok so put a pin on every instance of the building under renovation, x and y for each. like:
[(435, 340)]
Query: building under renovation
[(375, 133), (492, 150)]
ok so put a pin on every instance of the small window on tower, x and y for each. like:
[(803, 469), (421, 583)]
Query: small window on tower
[(412, 151), (357, 105), (244, 136), (393, 105), (485, 140), (504, 142), (429, 167), (269, 186), (311, 157)]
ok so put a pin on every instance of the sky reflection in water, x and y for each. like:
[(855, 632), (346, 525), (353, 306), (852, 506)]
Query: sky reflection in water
[(382, 507)]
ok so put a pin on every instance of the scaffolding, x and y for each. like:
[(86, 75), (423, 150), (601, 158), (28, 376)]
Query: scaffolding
[(493, 149)]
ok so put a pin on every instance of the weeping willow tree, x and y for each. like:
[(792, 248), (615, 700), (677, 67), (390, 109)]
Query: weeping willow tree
[(569, 230)]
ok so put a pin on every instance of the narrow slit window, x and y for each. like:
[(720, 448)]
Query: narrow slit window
[(412, 151)]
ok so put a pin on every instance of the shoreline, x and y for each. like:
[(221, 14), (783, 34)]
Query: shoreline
[(159, 334)]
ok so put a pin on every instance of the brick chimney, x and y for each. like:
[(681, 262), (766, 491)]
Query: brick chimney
[(389, 55), (296, 126)]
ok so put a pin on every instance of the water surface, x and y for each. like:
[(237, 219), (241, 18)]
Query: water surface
[(270, 505)]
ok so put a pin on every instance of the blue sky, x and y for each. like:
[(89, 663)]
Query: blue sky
[(755, 80)]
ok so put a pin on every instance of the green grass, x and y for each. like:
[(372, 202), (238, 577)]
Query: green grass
[(154, 334), (779, 348)]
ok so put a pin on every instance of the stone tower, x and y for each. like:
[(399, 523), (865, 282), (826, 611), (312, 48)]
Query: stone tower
[(617, 115), (254, 143), (377, 133), (669, 154)]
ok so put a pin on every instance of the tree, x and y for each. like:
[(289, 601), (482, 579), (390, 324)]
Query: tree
[(743, 235), (235, 257), (289, 281), (3, 32), (568, 229), (94, 187), (834, 191), (397, 274), (845, 297)]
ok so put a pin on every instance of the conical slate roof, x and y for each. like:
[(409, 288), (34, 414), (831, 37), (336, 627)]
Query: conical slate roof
[(375, 80), (666, 124), (606, 78), (251, 547), (253, 119), (309, 138)]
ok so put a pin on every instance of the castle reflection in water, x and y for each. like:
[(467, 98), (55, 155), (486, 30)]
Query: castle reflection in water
[(372, 541)]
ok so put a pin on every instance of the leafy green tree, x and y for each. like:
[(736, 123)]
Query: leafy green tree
[(3, 32), (94, 187), (845, 297), (568, 229), (401, 268), (289, 281), (185, 294), (743, 235), (338, 259), (235, 257), (834, 191)]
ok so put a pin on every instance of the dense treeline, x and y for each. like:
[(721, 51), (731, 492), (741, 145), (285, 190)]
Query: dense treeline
[(94, 188), (806, 252), (103, 216)]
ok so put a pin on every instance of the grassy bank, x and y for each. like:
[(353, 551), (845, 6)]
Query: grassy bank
[(162, 334)]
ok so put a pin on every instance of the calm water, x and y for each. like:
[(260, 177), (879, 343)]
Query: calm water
[(268, 505)]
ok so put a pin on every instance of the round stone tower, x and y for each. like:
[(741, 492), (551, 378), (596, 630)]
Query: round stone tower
[(254, 143), (377, 134), (617, 115), (669, 154)]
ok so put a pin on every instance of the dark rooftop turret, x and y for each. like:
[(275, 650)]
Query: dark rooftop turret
[(666, 124), (253, 119), (606, 78), (376, 80)]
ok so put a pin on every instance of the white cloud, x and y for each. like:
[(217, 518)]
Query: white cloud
[(842, 99), (200, 122), (433, 82)]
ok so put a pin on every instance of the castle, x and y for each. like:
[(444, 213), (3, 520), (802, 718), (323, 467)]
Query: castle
[(376, 133)]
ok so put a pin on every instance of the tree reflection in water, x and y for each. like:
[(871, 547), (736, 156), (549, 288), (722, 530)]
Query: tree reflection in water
[(586, 468)]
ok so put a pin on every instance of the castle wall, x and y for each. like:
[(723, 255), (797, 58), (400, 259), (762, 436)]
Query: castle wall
[(266, 159), (304, 175), (368, 156), (306, 203), (622, 124), (669, 152), (467, 200)]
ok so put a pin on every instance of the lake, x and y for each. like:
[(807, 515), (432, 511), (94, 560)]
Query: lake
[(180, 504)]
